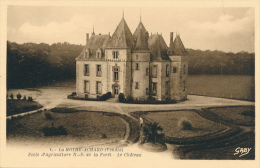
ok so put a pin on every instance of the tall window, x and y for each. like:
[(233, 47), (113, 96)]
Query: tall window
[(87, 87), (137, 66), (136, 85), (147, 71), (184, 70), (99, 72), (167, 70), (86, 71), (154, 86), (137, 57), (115, 54), (167, 88), (184, 83), (99, 90), (116, 73), (174, 70), (147, 91), (154, 71)]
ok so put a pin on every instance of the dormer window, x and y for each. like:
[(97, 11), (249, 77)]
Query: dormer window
[(87, 53), (115, 54), (98, 53)]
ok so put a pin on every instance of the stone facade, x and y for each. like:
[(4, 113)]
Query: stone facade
[(138, 65)]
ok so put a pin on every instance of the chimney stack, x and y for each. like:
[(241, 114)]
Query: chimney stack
[(87, 38), (171, 37)]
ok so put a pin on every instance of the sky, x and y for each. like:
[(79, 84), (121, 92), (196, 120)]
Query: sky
[(226, 29)]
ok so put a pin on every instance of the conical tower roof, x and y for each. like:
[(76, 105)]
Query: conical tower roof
[(141, 42), (177, 47), (140, 28), (158, 48), (122, 37)]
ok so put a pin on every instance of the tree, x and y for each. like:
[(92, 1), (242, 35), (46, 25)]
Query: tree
[(152, 132), (18, 96)]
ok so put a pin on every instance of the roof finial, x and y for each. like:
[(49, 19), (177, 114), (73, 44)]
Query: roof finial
[(140, 15), (123, 13), (93, 33)]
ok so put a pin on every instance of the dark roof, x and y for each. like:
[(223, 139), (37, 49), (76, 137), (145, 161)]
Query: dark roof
[(158, 48), (139, 28), (177, 47), (122, 37), (141, 42), (94, 43)]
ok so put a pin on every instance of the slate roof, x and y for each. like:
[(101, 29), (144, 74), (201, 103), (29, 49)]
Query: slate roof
[(94, 43), (122, 37), (141, 38), (158, 48), (176, 47), (139, 28)]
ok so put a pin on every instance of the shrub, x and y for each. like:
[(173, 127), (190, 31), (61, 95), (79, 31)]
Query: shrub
[(48, 116), (12, 96), (121, 97), (104, 97), (63, 110), (30, 98), (24, 97), (18, 96), (129, 99), (185, 124), (52, 131), (103, 135)]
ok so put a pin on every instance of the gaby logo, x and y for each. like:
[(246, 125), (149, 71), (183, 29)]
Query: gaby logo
[(242, 151)]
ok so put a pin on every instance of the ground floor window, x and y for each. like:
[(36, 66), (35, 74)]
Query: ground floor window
[(154, 85), (86, 86), (136, 85), (99, 89), (167, 88)]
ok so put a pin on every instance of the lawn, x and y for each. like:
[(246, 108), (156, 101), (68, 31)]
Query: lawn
[(235, 114), (19, 106), (80, 126), (169, 121)]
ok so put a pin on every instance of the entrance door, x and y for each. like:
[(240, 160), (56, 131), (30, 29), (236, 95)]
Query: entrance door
[(116, 91)]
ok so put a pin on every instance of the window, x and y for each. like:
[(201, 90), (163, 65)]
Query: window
[(87, 53), (184, 83), (115, 54), (136, 85), (99, 72), (174, 70), (147, 71), (167, 88), (154, 85), (137, 66), (98, 54), (154, 71), (137, 57), (147, 91), (167, 70), (116, 73), (87, 87), (99, 90), (86, 70), (184, 70)]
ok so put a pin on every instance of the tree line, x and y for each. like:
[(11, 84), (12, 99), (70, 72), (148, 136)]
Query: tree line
[(221, 63), (31, 64)]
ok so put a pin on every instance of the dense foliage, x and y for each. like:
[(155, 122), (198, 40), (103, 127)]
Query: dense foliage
[(31, 64), (221, 63)]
